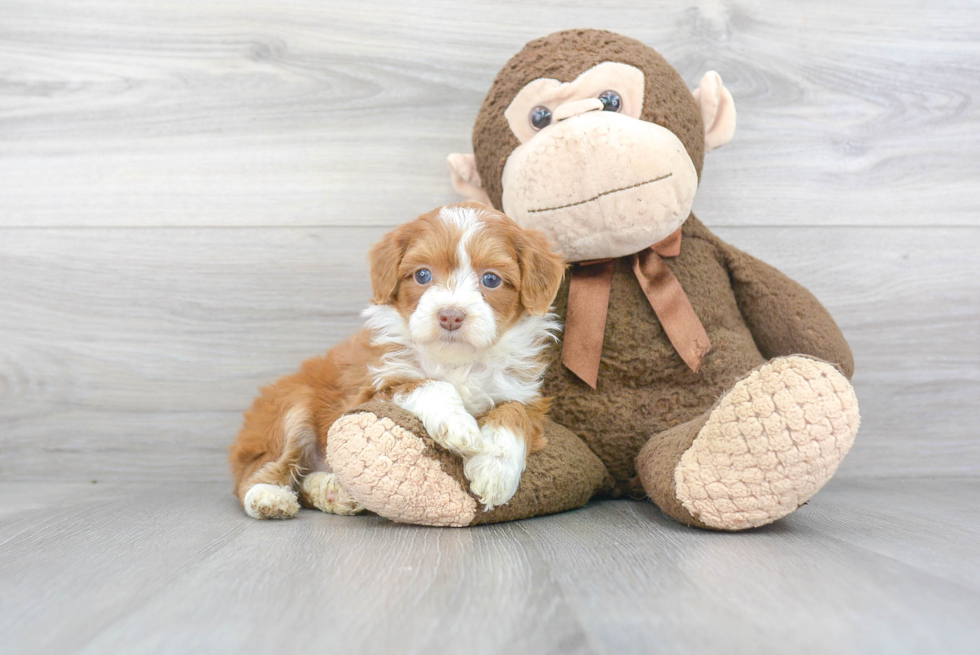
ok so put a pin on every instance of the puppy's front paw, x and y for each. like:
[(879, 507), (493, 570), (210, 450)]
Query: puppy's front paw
[(495, 473), (455, 430), (438, 405), (270, 501)]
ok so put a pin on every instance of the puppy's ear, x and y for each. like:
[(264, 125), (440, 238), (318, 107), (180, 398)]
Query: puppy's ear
[(542, 270), (386, 258)]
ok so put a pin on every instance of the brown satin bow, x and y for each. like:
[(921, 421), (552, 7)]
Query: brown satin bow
[(588, 304)]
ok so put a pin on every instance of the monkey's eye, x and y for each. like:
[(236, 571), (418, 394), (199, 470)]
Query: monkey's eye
[(423, 276), (611, 101), (491, 280), (540, 117)]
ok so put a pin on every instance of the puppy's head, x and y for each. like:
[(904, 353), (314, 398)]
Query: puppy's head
[(461, 275)]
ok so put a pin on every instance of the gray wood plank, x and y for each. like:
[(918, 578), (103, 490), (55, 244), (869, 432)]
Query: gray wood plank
[(794, 586), (299, 113), (130, 354), (931, 525), (179, 568)]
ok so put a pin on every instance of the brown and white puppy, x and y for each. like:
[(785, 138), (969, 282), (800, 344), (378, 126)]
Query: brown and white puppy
[(455, 336)]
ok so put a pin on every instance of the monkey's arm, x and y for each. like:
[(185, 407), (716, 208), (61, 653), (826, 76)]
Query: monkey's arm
[(784, 317)]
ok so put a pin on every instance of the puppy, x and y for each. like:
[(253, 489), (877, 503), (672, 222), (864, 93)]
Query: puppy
[(455, 336)]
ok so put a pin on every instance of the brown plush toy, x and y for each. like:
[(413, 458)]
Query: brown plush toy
[(690, 372)]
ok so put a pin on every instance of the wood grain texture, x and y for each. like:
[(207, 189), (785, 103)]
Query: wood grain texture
[(129, 354), (179, 569), (324, 113)]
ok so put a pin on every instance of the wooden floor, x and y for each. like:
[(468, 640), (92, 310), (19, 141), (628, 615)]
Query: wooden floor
[(187, 194), (873, 567)]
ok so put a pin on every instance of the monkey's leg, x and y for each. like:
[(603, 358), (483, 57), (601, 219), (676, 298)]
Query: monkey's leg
[(383, 457), (765, 448)]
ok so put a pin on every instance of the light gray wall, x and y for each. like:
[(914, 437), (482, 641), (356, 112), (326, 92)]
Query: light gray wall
[(188, 191)]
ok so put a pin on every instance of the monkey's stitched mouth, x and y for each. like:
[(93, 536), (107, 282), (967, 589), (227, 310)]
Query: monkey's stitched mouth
[(596, 197)]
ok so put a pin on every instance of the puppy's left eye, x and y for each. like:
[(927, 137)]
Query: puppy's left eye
[(423, 276), (491, 280)]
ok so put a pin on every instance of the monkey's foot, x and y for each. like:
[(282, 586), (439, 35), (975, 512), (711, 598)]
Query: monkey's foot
[(768, 445), (385, 459), (393, 472)]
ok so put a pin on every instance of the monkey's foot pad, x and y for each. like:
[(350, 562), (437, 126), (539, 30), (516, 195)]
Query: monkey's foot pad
[(769, 444), (387, 469)]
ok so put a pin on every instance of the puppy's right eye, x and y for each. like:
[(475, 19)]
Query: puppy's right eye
[(491, 280), (423, 276)]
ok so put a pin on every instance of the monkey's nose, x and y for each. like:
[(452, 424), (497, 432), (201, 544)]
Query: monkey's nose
[(451, 318), (576, 107)]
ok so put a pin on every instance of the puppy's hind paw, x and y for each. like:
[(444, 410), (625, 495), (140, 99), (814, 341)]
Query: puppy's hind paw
[(270, 501), (323, 491)]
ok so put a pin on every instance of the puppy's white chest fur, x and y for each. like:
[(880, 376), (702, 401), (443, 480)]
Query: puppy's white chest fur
[(481, 387), (509, 370)]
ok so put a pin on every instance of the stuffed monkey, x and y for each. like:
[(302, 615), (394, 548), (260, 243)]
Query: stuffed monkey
[(690, 372)]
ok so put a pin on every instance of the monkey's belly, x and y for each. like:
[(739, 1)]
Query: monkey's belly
[(644, 386), (644, 391)]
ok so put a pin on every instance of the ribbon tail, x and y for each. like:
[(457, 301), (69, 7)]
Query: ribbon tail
[(673, 308), (585, 321)]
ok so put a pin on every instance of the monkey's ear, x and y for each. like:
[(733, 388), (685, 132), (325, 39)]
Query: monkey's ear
[(542, 270), (717, 111), (466, 179)]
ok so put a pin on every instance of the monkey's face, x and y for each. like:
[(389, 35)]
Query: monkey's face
[(598, 180), (594, 139)]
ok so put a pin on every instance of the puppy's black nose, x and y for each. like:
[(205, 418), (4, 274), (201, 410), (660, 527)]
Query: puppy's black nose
[(451, 318)]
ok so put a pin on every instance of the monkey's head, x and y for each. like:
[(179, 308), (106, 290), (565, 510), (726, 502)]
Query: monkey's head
[(594, 139)]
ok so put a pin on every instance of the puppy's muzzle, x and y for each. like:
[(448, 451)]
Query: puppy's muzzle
[(451, 318)]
